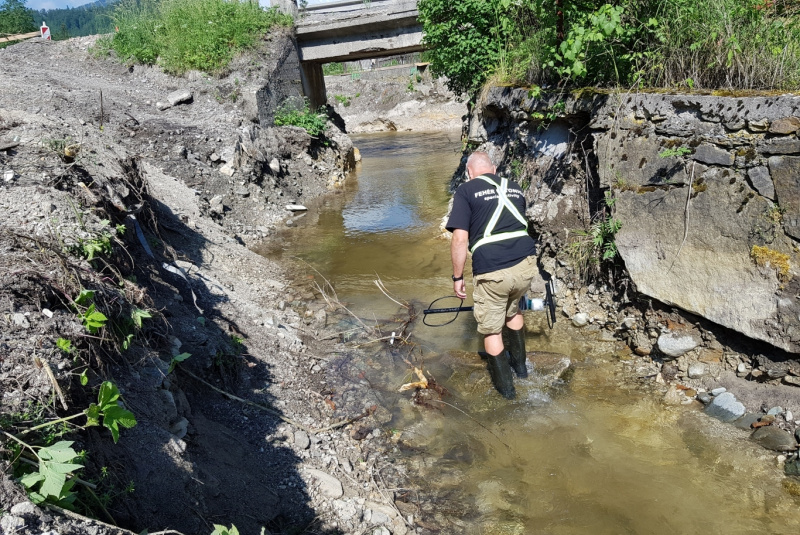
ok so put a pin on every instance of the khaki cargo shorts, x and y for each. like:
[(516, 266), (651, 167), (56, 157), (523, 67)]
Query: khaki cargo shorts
[(497, 294)]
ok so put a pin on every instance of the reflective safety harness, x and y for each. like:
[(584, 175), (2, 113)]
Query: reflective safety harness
[(502, 202)]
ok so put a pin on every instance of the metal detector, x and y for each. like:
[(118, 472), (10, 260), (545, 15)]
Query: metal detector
[(548, 304)]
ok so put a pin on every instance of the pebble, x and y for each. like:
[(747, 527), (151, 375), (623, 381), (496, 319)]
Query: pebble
[(788, 416), (12, 524), (718, 391), (741, 368), (180, 428), (20, 320), (675, 346), (725, 407), (47, 312), (301, 439), (704, 397), (580, 319), (696, 370), (23, 508), (775, 411)]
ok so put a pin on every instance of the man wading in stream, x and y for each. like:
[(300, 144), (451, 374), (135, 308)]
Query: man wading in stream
[(488, 219)]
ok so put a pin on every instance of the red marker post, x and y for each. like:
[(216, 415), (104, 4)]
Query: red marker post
[(45, 31)]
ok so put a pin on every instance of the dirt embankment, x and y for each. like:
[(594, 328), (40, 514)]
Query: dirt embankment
[(144, 189)]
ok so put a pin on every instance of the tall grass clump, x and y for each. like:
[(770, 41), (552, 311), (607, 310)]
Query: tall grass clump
[(739, 44), (181, 35)]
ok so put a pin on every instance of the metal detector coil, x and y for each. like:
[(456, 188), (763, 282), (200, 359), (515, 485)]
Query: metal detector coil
[(548, 304)]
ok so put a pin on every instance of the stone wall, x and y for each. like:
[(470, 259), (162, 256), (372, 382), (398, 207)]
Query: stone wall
[(713, 229)]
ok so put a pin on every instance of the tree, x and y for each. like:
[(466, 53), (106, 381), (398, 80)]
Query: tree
[(463, 40), (16, 18)]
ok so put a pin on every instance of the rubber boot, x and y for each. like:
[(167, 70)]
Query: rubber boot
[(514, 342), (501, 374)]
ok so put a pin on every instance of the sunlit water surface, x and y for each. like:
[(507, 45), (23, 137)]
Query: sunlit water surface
[(589, 456)]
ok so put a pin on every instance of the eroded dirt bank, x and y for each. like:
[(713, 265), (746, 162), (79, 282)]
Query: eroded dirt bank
[(144, 189)]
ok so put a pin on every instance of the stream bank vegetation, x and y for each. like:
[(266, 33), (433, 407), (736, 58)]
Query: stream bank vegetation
[(183, 35), (683, 44)]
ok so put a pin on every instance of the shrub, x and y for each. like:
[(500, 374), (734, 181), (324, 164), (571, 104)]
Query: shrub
[(181, 35)]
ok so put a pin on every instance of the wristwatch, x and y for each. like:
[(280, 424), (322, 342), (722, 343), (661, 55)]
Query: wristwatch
[(456, 279)]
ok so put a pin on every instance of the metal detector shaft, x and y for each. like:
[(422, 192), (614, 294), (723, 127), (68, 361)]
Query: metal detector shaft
[(444, 310)]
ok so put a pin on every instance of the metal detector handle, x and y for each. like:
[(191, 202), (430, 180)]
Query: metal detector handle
[(550, 302), (443, 310)]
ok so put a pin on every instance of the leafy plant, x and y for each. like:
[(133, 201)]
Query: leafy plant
[(112, 414), (49, 483), (289, 114), (64, 345), (676, 151), (222, 530), (56, 463), (138, 315), (96, 246), (332, 69), (177, 359), (92, 319), (342, 99), (592, 247)]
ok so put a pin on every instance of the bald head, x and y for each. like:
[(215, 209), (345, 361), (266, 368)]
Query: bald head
[(478, 164)]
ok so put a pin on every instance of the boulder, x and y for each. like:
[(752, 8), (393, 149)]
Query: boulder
[(774, 438), (725, 407), (180, 96)]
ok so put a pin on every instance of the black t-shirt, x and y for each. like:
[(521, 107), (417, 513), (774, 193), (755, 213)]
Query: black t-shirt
[(473, 205)]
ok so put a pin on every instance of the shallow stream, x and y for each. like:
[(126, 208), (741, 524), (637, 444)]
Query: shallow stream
[(594, 454)]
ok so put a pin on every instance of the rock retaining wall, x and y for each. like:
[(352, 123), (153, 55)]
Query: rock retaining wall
[(712, 228)]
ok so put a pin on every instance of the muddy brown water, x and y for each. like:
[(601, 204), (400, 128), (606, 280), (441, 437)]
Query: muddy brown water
[(593, 454)]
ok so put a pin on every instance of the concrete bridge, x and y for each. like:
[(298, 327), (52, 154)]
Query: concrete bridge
[(350, 30)]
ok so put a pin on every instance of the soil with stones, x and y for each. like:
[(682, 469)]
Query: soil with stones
[(144, 189), (386, 100)]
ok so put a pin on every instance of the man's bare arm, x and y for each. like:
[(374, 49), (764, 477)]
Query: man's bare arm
[(458, 255)]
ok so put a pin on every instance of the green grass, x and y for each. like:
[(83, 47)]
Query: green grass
[(182, 35)]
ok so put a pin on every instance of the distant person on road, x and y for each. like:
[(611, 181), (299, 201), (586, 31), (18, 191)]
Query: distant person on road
[(488, 220)]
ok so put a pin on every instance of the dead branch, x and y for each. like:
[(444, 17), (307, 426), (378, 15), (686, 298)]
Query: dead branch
[(382, 288)]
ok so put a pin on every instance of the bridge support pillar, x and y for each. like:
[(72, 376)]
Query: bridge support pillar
[(313, 83)]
